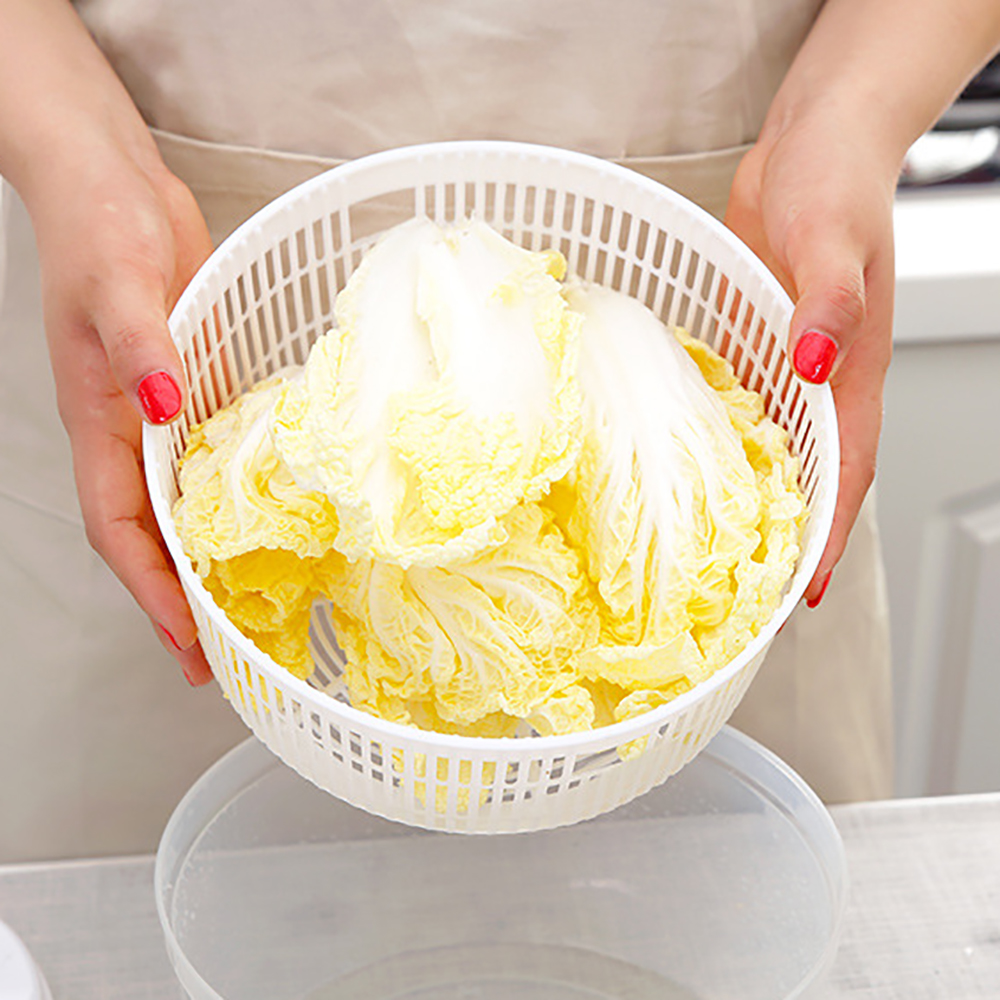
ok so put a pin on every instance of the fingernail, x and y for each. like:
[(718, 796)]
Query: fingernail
[(814, 601), (173, 641), (160, 397), (814, 357), (176, 644)]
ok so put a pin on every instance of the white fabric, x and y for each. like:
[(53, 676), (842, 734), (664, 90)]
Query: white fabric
[(100, 734)]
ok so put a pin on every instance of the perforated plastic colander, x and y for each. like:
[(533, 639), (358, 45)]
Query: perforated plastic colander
[(267, 293)]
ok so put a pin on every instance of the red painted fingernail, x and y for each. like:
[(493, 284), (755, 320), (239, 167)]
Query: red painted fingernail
[(814, 357), (160, 397), (173, 640), (814, 601)]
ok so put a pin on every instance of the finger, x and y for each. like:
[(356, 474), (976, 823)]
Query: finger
[(131, 320), (859, 418), (105, 435), (858, 395), (192, 660), (831, 263), (122, 530)]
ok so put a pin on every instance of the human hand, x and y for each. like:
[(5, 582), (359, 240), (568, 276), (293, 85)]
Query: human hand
[(816, 207), (119, 237), (814, 198)]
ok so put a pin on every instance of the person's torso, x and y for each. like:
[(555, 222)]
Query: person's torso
[(341, 78)]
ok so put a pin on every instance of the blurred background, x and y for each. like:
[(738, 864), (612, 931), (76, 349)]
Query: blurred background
[(939, 471)]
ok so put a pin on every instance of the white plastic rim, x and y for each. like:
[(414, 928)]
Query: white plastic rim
[(267, 293)]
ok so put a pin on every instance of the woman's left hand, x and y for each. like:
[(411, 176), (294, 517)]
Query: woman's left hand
[(814, 198), (817, 209)]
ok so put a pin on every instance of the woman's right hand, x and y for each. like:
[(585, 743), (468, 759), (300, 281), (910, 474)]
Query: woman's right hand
[(118, 238)]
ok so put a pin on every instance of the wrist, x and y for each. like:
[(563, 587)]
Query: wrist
[(883, 71), (849, 115), (74, 158)]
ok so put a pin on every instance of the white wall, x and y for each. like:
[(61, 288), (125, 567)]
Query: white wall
[(939, 491)]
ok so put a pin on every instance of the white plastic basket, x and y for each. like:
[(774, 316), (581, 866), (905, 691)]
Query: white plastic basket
[(267, 293)]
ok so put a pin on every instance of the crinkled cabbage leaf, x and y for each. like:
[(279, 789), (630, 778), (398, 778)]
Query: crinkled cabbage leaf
[(444, 397), (525, 502)]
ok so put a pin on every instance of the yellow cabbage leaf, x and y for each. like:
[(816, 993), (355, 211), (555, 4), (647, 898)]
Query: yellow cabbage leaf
[(473, 643), (237, 496), (527, 505), (444, 397), (682, 504)]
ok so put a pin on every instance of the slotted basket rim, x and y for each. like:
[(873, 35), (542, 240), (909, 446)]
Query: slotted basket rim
[(603, 737)]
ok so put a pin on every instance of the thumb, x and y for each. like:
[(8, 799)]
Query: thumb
[(830, 312), (131, 320)]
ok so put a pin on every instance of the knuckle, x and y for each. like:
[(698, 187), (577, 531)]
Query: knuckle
[(846, 297), (175, 193), (128, 349), (842, 282), (128, 339)]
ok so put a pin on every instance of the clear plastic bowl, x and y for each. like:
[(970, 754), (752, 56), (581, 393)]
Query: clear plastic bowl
[(728, 881)]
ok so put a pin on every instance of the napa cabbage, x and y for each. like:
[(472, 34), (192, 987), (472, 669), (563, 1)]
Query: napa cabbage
[(236, 495), (525, 503), (688, 542), (474, 646), (444, 396), (254, 536)]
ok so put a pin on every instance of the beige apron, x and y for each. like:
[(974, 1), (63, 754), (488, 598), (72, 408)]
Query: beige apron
[(101, 734)]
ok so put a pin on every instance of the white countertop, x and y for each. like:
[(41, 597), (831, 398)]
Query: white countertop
[(923, 921)]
